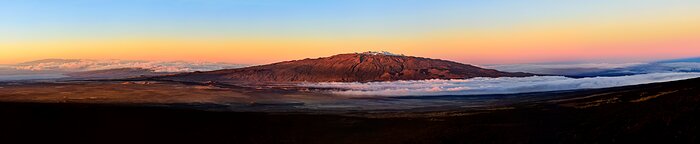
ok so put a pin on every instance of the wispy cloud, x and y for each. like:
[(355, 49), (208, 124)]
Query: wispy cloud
[(505, 85)]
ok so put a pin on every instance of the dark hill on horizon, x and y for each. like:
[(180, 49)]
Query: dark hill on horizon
[(118, 73), (354, 67)]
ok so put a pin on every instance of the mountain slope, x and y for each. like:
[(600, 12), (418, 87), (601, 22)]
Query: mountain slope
[(677, 65), (119, 73), (357, 67)]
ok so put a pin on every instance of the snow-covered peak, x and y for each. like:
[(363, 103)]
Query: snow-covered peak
[(381, 53)]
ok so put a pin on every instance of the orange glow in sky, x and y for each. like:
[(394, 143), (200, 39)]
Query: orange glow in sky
[(671, 33)]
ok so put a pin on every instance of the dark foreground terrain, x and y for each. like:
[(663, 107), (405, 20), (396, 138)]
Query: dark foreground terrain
[(653, 113)]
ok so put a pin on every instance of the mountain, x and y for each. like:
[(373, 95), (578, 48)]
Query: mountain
[(579, 69), (80, 65), (354, 67), (676, 65), (697, 59), (43, 61), (119, 73)]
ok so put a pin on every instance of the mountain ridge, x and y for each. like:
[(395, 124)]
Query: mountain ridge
[(117, 73), (352, 67)]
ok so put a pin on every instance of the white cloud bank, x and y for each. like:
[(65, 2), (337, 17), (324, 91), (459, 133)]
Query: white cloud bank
[(562, 69), (88, 65), (601, 69), (479, 86)]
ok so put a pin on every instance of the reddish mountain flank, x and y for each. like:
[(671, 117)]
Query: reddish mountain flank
[(357, 67)]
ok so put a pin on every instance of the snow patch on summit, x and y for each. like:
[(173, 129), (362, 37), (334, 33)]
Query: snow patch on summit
[(380, 53)]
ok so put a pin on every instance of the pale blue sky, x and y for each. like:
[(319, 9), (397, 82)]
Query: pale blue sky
[(238, 31), (89, 18)]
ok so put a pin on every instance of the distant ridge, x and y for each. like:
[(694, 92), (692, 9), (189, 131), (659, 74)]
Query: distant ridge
[(354, 67), (119, 73)]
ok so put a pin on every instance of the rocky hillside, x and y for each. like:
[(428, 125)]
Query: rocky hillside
[(355, 67)]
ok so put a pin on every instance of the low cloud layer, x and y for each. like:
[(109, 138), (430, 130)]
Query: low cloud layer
[(562, 69), (667, 67), (480, 86), (73, 65), (602, 69)]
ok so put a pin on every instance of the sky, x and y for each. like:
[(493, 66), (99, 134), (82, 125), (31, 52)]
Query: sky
[(266, 31)]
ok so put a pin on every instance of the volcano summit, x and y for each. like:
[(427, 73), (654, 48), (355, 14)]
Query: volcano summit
[(353, 67)]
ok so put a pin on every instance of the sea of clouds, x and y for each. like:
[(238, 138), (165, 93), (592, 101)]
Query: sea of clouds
[(604, 69), (504, 85), (74, 65), (56, 68), (563, 68)]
